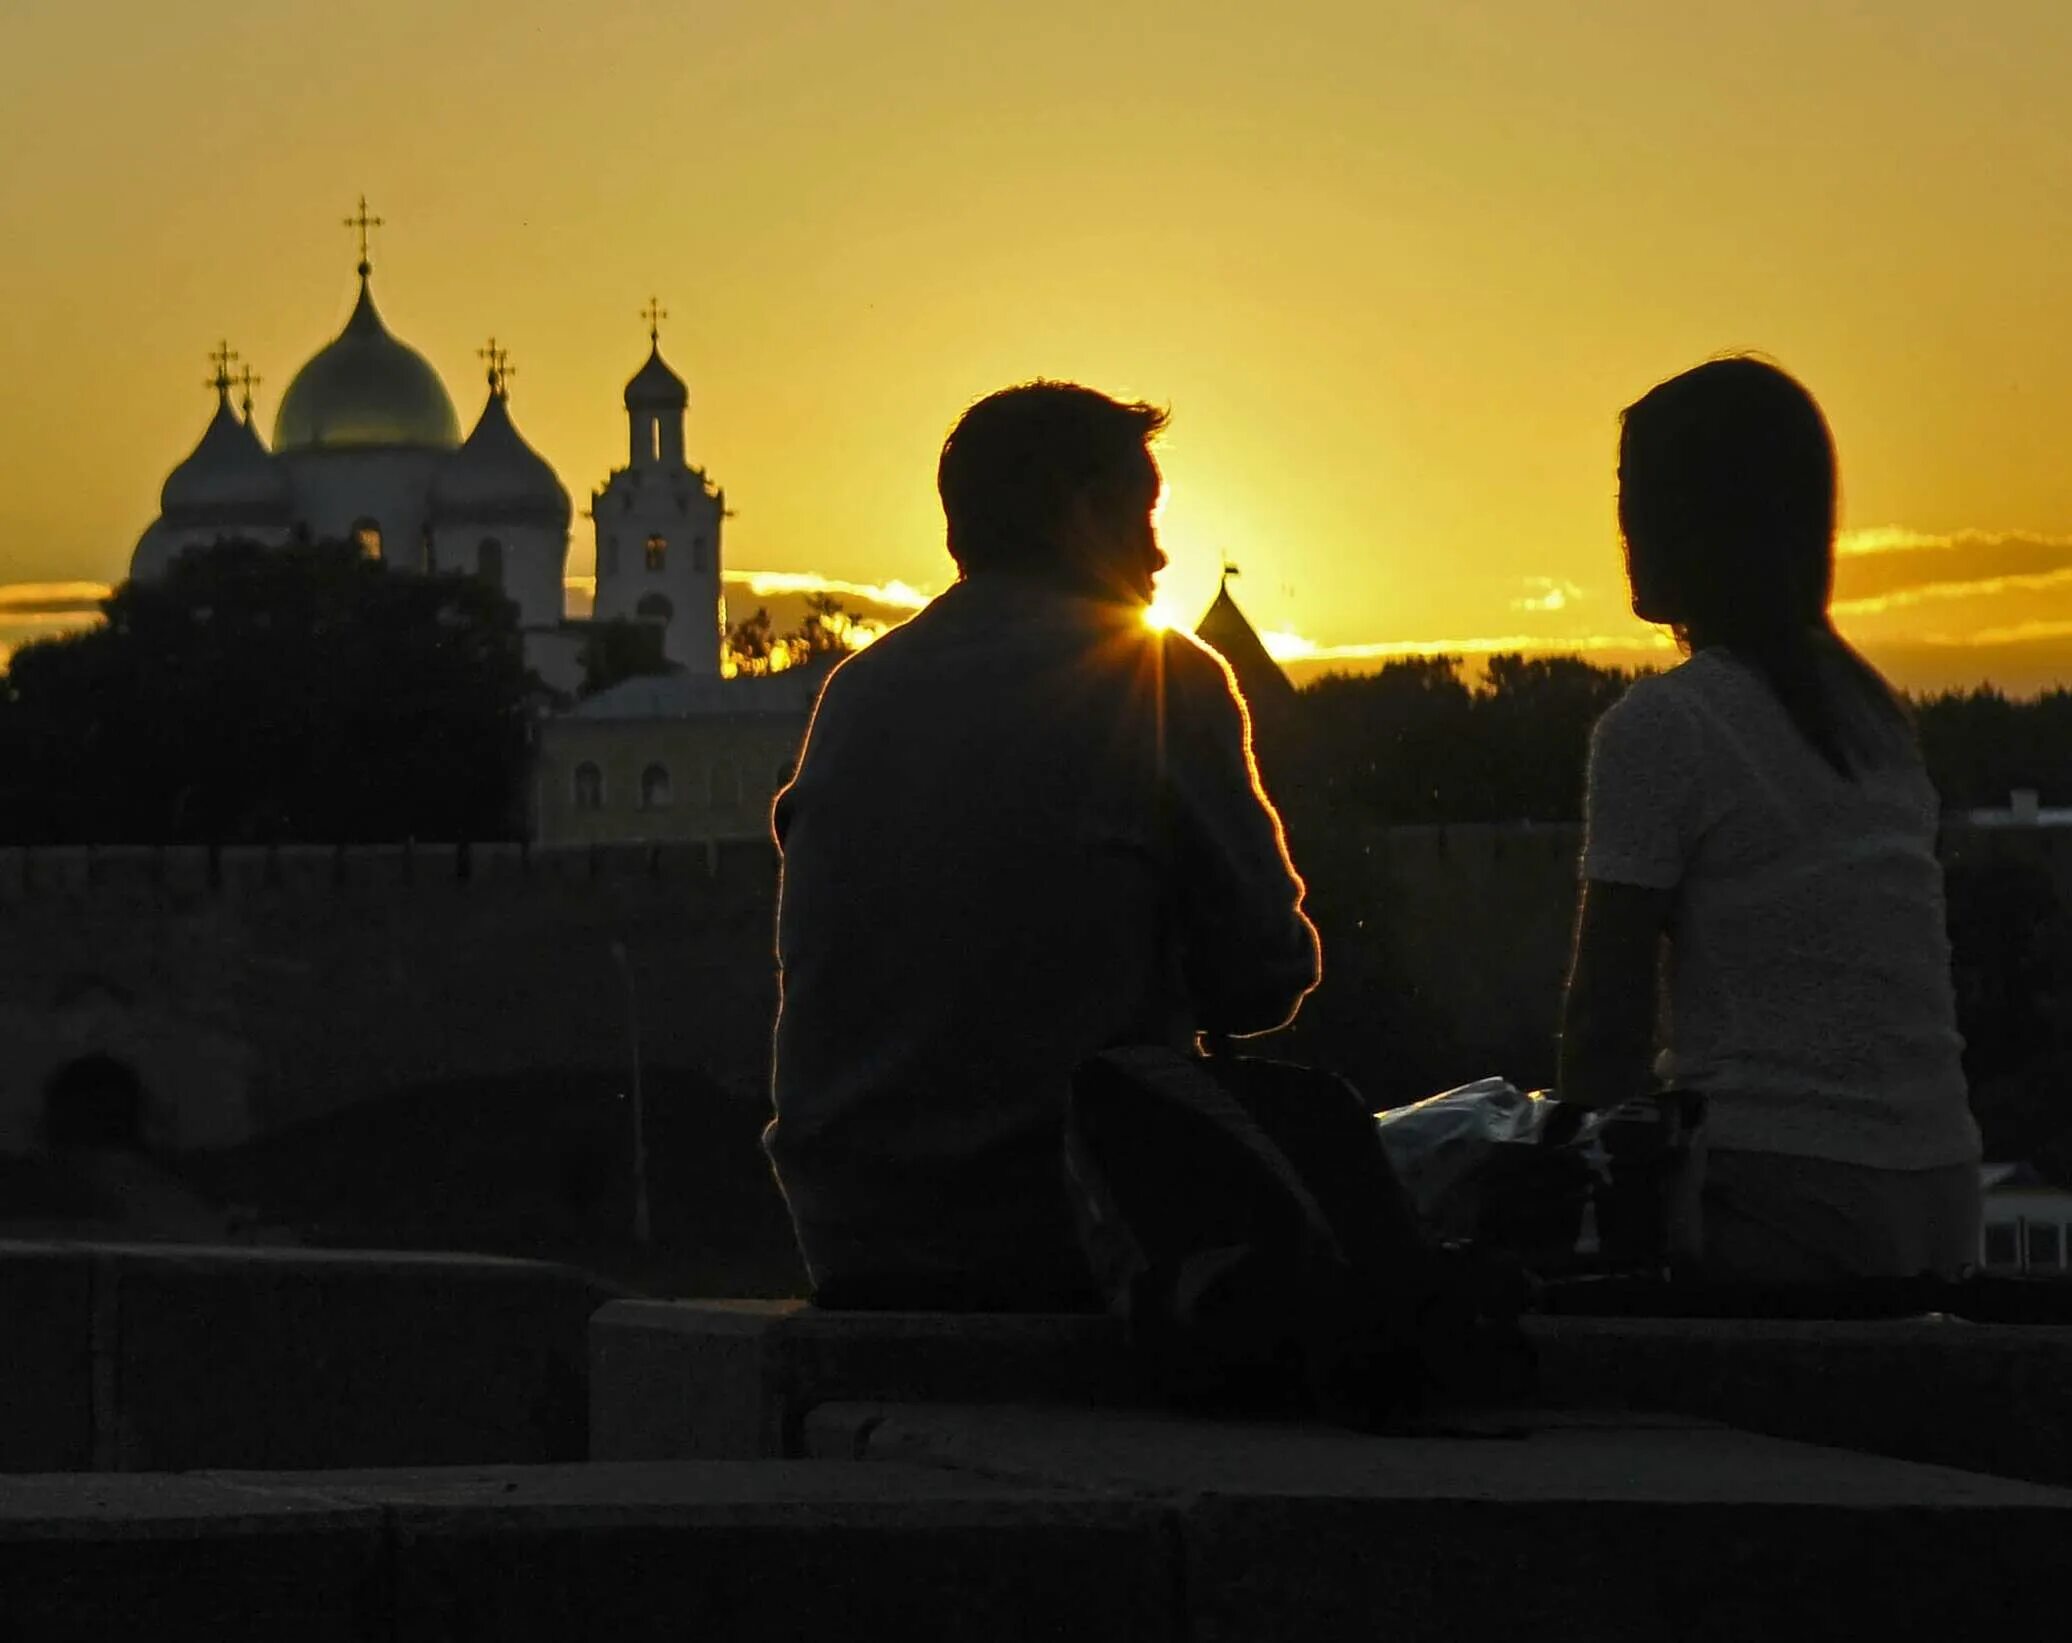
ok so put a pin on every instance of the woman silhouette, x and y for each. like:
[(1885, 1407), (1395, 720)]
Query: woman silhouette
[(1765, 809)]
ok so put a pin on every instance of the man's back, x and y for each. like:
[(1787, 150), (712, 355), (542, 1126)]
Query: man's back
[(1024, 828)]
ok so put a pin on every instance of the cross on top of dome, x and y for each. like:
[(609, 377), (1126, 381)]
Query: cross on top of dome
[(221, 357), (362, 222), (501, 370)]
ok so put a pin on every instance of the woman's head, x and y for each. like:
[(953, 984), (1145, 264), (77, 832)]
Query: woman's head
[(1727, 504)]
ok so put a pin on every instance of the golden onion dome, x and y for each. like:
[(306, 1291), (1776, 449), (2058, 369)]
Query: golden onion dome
[(365, 389)]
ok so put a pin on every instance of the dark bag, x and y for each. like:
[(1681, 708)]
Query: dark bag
[(1243, 1220)]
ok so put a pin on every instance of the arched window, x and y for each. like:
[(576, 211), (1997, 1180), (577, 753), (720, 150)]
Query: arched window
[(657, 553), (366, 535), (489, 560), (654, 788), (698, 557), (725, 781), (589, 787), (95, 1102), (654, 608)]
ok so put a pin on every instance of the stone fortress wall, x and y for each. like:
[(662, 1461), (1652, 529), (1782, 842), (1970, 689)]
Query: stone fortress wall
[(248, 989)]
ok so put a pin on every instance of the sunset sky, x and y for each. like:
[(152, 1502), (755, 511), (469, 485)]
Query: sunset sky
[(1394, 264)]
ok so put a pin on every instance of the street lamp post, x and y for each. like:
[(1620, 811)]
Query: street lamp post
[(642, 1227)]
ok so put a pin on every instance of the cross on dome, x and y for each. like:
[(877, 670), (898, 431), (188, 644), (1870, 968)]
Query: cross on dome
[(501, 370), (220, 357), (361, 221), (248, 379), (654, 313)]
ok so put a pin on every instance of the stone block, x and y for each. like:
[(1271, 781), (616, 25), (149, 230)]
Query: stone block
[(732, 1379), (47, 1362), (1526, 1527), (106, 1557), (774, 1550), (1987, 1397), (309, 1358)]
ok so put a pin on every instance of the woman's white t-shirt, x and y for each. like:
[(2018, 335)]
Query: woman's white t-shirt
[(1809, 979)]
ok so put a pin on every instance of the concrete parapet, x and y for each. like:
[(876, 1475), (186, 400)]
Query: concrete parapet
[(168, 1357), (734, 1379), (675, 1380), (47, 1363), (187, 1557), (1989, 1397), (1601, 1528), (742, 1552)]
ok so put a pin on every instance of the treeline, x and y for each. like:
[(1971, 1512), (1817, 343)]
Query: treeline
[(1418, 741), (272, 695)]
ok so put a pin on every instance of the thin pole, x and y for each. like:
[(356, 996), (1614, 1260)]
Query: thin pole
[(642, 1226)]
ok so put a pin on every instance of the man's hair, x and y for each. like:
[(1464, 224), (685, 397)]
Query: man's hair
[(1016, 460)]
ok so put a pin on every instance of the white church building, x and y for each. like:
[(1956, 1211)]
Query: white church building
[(367, 447)]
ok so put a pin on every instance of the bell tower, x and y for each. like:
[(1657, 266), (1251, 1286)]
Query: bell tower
[(658, 521)]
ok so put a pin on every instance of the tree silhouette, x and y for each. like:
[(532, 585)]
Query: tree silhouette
[(272, 693)]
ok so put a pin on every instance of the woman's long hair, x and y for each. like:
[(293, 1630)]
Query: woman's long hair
[(1727, 506)]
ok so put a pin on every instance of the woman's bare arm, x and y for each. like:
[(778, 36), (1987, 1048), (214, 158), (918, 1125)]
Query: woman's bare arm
[(1608, 1013)]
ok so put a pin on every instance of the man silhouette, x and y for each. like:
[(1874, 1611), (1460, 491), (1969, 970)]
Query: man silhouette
[(1025, 827)]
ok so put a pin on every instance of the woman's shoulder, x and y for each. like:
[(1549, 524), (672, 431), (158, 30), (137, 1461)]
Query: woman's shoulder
[(1654, 706)]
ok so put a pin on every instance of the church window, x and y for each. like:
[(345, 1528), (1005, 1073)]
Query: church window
[(657, 553), (654, 608), (655, 438), (589, 787), (698, 554), (654, 788), (366, 536), (725, 780), (490, 560)]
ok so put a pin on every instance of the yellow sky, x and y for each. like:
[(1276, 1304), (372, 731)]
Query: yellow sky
[(1395, 266)]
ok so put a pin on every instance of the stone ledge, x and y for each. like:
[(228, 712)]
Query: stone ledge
[(767, 1551), (1542, 1527), (1986, 1397), (679, 1380), (684, 1379), (157, 1357)]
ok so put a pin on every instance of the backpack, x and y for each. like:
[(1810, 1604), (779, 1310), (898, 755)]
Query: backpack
[(1242, 1218)]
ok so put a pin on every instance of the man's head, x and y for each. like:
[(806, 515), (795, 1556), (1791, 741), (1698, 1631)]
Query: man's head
[(1054, 481)]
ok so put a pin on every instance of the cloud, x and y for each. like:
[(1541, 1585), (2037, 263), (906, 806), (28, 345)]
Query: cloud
[(61, 602), (763, 583), (1285, 647), (1547, 593), (1890, 568)]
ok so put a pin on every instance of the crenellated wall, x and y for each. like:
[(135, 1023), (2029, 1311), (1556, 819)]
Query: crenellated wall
[(249, 988)]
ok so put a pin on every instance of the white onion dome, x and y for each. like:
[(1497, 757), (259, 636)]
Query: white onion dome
[(365, 389), (229, 479), (496, 477), (655, 387)]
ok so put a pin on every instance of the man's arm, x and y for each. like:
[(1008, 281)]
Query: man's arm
[(1608, 1012), (1249, 954)]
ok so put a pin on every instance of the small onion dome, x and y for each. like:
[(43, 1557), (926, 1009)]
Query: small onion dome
[(365, 389), (497, 477), (655, 387), (155, 551), (228, 480)]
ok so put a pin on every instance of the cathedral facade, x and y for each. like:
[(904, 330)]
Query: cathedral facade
[(367, 448)]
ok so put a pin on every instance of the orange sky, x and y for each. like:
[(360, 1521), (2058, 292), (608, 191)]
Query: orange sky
[(1395, 267)]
